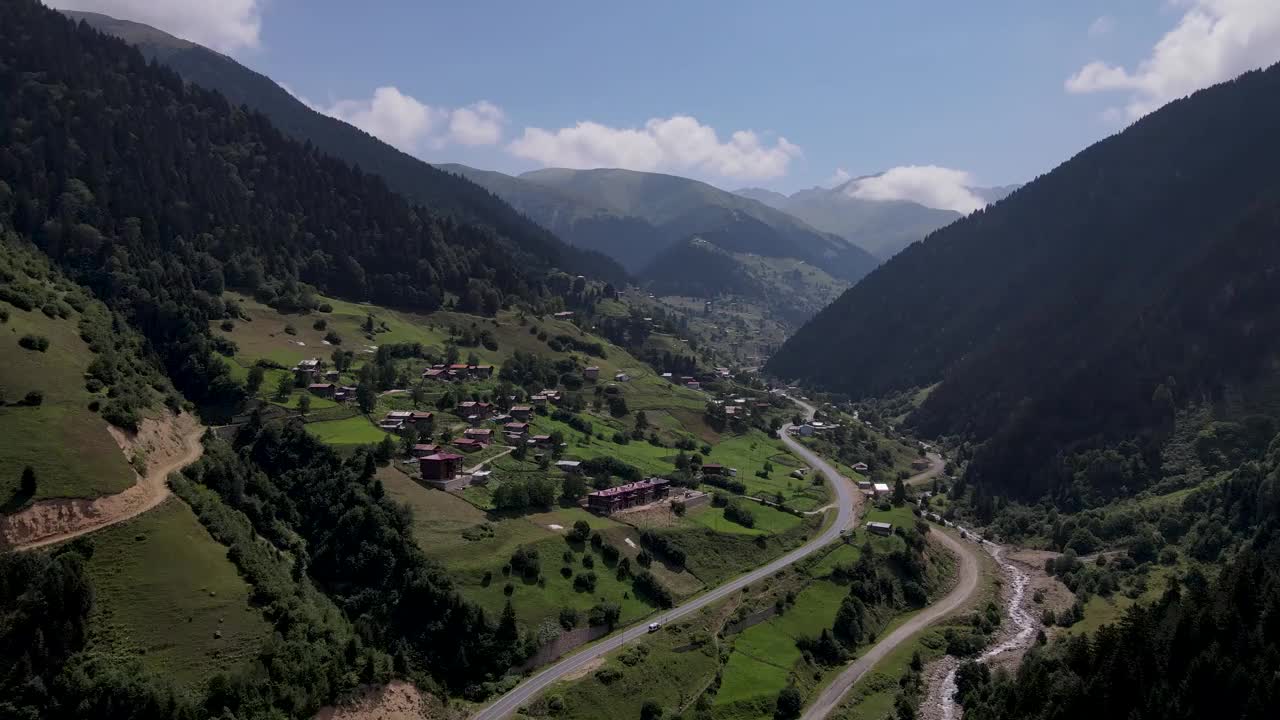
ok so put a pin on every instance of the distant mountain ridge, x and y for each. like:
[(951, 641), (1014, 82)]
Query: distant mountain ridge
[(1065, 325), (422, 183), (882, 227)]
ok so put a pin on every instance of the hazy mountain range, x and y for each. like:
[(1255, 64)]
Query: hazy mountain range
[(882, 227)]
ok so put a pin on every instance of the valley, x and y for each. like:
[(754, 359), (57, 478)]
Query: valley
[(305, 415)]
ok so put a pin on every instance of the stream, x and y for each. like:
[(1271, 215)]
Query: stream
[(1018, 616)]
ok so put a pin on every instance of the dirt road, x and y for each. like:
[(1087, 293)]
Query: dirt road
[(846, 499), (963, 591), (49, 522)]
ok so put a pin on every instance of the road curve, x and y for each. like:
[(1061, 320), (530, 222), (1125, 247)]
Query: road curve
[(846, 499), (963, 591)]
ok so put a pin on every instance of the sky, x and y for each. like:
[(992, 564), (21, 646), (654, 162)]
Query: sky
[(936, 96)]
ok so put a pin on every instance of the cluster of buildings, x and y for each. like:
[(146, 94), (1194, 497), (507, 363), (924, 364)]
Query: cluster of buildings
[(641, 492), (322, 383), (398, 420), (457, 371), (815, 427), (874, 489)]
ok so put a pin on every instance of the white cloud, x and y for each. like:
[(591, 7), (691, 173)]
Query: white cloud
[(225, 25), (405, 122), (477, 124), (928, 185), (1102, 26), (1215, 40), (839, 177), (679, 143)]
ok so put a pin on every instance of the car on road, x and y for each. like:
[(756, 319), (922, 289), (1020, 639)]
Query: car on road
[(655, 627)]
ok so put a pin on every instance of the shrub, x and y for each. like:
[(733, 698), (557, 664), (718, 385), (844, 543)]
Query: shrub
[(33, 398), (738, 513), (289, 329), (320, 324), (585, 582), (333, 338), (325, 308), (568, 618), (227, 326), (39, 343)]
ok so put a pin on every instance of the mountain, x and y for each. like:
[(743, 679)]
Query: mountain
[(442, 192), (883, 227), (681, 236), (158, 195), (1065, 324)]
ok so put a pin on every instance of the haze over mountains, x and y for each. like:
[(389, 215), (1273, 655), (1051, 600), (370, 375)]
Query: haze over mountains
[(882, 226)]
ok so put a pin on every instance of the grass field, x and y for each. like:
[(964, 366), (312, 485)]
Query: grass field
[(670, 667), (764, 655), (769, 520), (66, 444), (164, 591), (355, 430)]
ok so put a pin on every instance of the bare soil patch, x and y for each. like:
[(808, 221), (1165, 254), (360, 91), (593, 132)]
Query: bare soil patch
[(167, 444), (397, 700)]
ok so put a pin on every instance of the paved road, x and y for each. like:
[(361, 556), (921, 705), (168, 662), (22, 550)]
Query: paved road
[(846, 498), (963, 591)]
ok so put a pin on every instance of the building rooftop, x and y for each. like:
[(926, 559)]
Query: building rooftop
[(631, 487)]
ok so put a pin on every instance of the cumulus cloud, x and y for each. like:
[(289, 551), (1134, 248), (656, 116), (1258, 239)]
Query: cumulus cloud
[(477, 124), (1214, 40), (679, 144), (225, 25), (405, 122), (928, 185), (839, 177), (1102, 26)]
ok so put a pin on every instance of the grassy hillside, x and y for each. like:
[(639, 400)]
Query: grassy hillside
[(167, 594), (64, 436)]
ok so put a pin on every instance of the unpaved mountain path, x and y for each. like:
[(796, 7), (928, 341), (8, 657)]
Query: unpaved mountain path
[(171, 446)]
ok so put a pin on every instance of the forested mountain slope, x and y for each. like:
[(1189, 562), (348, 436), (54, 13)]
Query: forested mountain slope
[(158, 194), (634, 216), (1077, 313), (443, 193)]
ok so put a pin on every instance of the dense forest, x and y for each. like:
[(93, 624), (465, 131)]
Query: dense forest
[(1206, 648), (1077, 314), (159, 194), (443, 192)]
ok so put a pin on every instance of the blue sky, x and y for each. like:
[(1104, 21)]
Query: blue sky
[(991, 91)]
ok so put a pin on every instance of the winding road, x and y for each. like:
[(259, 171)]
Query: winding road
[(846, 502), (959, 595)]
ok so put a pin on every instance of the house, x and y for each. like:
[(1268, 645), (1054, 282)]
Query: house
[(540, 440), (424, 449), (860, 467), (481, 371), (570, 467), (563, 315), (712, 469), (539, 400), (435, 374), (391, 425), (920, 465), (622, 377), (864, 485), (805, 430), (481, 435), (324, 390), (722, 371), (307, 371), (666, 376), (468, 445), (440, 467), (408, 417), (732, 410), (880, 489), (693, 385), (641, 492), (346, 393), (591, 372), (516, 429), (521, 412), (880, 528), (552, 395), (332, 375), (472, 409)]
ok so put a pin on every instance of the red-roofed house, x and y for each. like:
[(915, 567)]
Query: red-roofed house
[(440, 467), (467, 444)]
